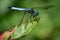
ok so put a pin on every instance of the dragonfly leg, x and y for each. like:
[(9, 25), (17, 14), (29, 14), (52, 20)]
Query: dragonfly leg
[(30, 18), (36, 18), (22, 19)]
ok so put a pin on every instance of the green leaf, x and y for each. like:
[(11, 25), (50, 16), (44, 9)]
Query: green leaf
[(23, 30)]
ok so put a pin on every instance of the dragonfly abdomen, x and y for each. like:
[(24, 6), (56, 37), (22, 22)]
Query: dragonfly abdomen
[(21, 9)]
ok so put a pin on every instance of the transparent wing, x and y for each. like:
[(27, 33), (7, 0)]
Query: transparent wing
[(43, 7)]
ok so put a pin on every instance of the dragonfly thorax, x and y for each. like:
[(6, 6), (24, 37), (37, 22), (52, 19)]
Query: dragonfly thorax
[(30, 11)]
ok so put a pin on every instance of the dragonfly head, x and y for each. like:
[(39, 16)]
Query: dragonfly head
[(36, 13)]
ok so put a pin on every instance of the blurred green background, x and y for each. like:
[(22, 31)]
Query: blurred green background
[(48, 27)]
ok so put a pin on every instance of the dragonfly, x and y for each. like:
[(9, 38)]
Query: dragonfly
[(31, 10), (27, 10)]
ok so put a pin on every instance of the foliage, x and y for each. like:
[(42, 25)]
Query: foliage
[(49, 25)]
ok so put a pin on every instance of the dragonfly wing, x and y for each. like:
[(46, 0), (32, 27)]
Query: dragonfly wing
[(44, 7)]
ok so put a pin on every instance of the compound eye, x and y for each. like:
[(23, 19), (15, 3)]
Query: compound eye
[(36, 13)]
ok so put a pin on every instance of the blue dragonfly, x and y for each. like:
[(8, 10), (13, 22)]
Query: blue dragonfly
[(31, 11), (28, 10)]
